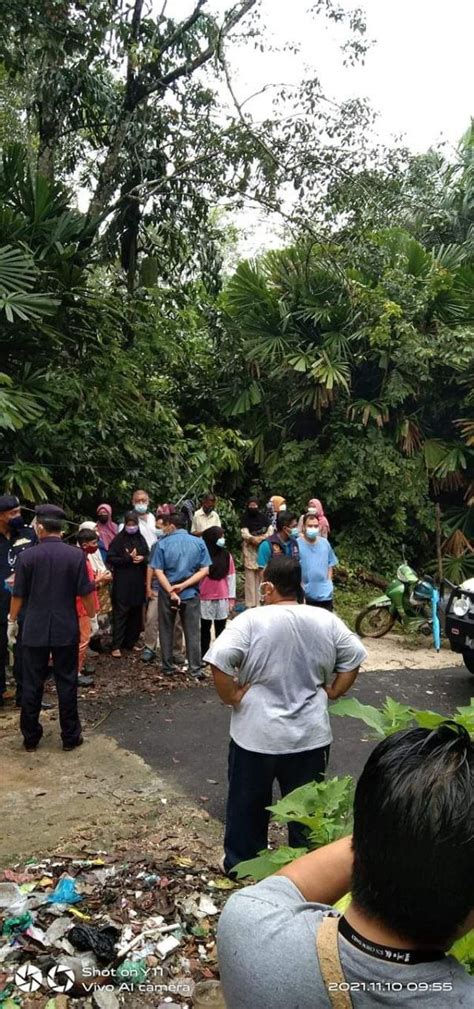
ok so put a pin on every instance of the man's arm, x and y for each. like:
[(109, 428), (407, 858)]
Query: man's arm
[(193, 580), (16, 604), (341, 684), (325, 875), (163, 581), (228, 687)]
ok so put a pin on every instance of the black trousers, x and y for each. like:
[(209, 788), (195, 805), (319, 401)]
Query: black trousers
[(324, 604), (206, 627), (127, 622), (3, 657), (251, 777), (35, 672), (18, 666)]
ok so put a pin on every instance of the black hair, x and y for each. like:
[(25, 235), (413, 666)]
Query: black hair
[(177, 519), (309, 515), (413, 835), (51, 524), (209, 494), (86, 536), (285, 574), (284, 519), (131, 516)]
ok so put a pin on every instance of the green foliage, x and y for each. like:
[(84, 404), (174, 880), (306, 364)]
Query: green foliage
[(324, 808), (394, 716)]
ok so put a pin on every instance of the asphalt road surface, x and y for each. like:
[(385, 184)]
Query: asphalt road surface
[(184, 735)]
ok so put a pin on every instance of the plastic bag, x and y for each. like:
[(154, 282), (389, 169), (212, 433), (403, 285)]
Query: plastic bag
[(18, 924), (65, 892), (100, 940)]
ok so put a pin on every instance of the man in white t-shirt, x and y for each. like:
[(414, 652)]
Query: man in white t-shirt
[(206, 516), (273, 665)]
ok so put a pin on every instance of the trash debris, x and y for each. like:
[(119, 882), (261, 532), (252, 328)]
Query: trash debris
[(18, 924), (132, 972), (65, 892), (146, 918), (100, 940)]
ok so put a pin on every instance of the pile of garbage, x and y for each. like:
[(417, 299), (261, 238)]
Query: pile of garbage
[(100, 933)]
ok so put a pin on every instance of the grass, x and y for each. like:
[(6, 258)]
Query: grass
[(350, 597)]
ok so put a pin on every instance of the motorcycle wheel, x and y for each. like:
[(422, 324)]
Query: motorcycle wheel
[(469, 661), (374, 622)]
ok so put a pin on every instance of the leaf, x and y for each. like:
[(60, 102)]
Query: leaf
[(267, 862), (352, 708)]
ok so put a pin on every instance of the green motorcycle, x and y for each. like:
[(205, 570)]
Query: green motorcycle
[(407, 600)]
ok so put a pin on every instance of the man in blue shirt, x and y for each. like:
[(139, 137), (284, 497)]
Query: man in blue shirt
[(180, 561), (283, 541), (317, 559)]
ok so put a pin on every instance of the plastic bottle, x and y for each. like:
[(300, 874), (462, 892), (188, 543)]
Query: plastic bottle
[(208, 995)]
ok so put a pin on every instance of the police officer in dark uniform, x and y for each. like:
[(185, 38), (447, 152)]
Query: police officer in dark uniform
[(15, 536), (48, 579)]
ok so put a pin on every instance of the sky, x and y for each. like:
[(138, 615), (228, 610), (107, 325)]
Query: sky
[(418, 74)]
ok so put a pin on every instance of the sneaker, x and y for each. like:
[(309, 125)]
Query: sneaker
[(73, 746), (85, 681), (198, 674), (88, 669), (148, 655)]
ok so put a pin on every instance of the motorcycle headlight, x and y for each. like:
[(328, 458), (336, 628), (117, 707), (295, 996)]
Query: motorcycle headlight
[(461, 606)]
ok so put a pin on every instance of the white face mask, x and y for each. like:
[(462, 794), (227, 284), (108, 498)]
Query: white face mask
[(311, 511), (263, 595)]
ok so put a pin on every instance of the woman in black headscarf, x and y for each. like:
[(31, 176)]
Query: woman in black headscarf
[(255, 527), (217, 590), (127, 557)]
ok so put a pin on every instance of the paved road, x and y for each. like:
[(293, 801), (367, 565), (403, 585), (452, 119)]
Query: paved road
[(184, 735)]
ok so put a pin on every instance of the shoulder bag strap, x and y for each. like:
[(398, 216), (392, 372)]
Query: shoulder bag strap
[(330, 963)]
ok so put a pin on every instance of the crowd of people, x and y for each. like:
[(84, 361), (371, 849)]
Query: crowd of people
[(277, 664)]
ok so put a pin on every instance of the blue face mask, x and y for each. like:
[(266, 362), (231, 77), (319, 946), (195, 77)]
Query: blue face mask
[(312, 533), (220, 542), (294, 533), (159, 532), (141, 509)]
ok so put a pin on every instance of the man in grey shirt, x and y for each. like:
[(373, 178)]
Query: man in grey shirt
[(273, 665), (409, 867)]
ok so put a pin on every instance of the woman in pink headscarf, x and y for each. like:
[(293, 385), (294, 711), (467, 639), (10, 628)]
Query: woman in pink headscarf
[(107, 528), (315, 508)]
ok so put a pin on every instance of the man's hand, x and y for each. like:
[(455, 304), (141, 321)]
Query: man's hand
[(341, 684), (178, 587), (228, 687), (151, 594), (174, 599), (12, 632)]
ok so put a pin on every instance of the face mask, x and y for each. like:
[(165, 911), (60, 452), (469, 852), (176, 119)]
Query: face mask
[(253, 508), (220, 542), (141, 508), (312, 533), (102, 519), (294, 533), (90, 548), (131, 530), (311, 511), (16, 522), (159, 532), (282, 508)]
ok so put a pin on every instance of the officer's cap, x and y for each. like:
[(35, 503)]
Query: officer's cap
[(49, 511), (8, 502)]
